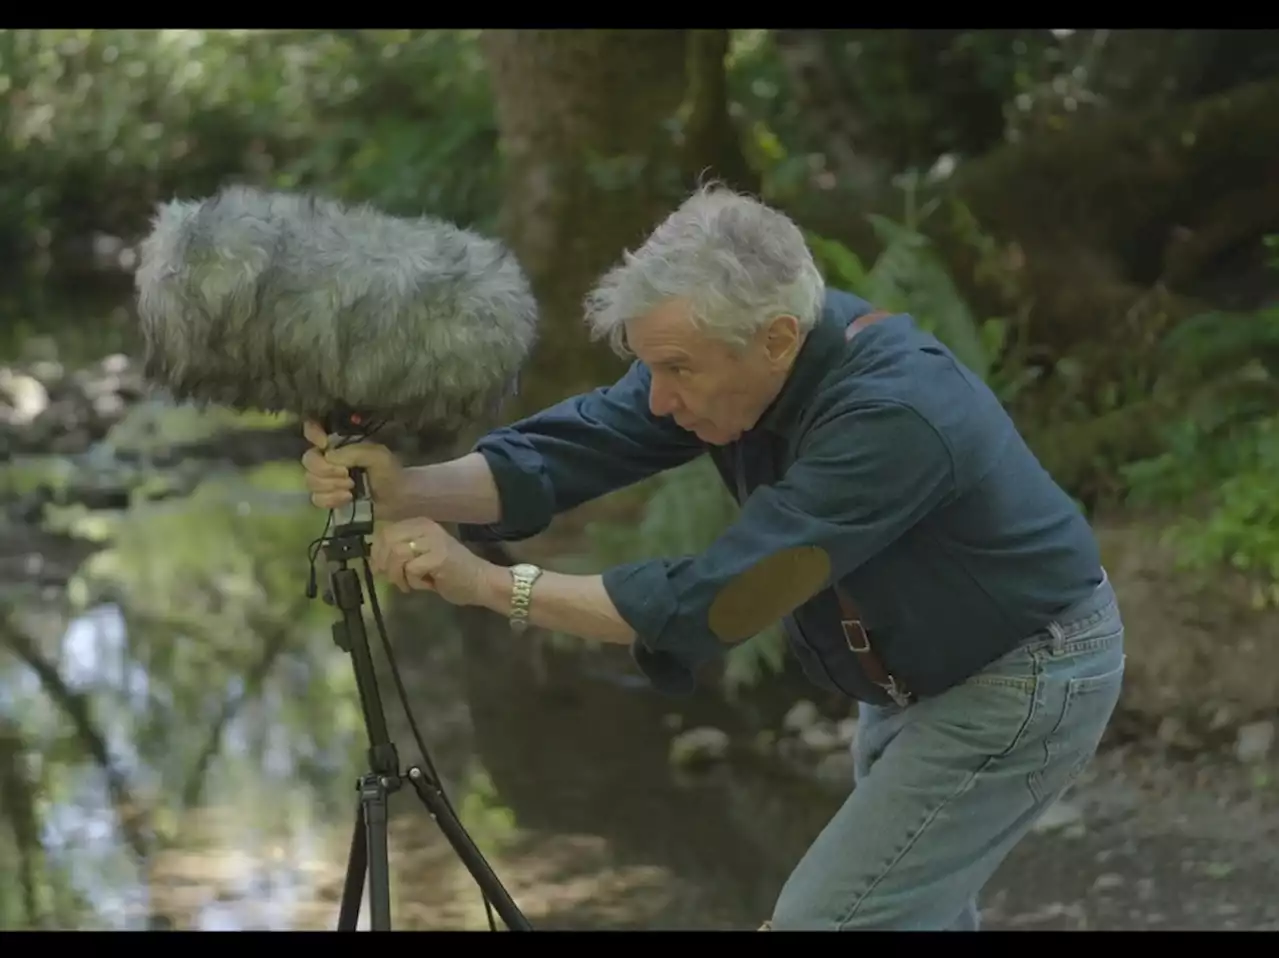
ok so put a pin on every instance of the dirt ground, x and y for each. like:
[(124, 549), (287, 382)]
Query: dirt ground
[(1142, 844), (1149, 843)]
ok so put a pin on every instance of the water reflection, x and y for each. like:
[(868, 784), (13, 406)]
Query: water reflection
[(180, 737), (202, 693), (189, 736), (251, 837)]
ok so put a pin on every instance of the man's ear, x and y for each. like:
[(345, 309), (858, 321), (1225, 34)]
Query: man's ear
[(782, 339)]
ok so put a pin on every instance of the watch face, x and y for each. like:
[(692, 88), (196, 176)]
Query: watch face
[(525, 569)]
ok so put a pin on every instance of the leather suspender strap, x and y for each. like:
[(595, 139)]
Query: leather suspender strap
[(855, 634), (862, 322)]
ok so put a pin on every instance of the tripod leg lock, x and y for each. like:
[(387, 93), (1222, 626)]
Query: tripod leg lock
[(375, 787), (374, 790)]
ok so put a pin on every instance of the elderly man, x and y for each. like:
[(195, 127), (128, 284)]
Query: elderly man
[(923, 562)]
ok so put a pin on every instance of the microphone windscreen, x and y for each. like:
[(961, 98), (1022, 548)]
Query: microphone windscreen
[(283, 302)]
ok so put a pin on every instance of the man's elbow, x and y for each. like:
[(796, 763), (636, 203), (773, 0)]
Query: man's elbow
[(673, 660), (526, 499)]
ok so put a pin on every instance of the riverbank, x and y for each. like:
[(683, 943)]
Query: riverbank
[(1174, 826)]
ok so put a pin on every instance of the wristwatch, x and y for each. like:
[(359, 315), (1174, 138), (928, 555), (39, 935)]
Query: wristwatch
[(523, 576)]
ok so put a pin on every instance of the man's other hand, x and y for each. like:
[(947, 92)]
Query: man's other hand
[(418, 554)]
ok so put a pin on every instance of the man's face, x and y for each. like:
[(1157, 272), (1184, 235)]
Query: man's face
[(706, 386)]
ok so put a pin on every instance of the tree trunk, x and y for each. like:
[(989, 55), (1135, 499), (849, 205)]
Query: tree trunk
[(602, 133)]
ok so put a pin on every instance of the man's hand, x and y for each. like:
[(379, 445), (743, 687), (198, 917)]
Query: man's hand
[(328, 478), (417, 554)]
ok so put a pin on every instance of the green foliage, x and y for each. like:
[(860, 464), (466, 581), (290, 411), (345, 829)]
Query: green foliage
[(771, 120), (1218, 464), (908, 276), (490, 823), (101, 124), (436, 151), (888, 99)]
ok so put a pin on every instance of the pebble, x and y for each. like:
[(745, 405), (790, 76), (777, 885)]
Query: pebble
[(1253, 741), (116, 364), (26, 396), (1174, 732), (698, 746), (1108, 881), (1222, 718), (800, 716), (820, 737)]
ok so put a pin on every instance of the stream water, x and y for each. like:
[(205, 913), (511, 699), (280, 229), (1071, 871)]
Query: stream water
[(183, 735)]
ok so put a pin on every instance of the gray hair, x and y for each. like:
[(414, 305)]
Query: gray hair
[(735, 261)]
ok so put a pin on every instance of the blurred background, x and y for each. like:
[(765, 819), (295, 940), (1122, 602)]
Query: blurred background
[(1087, 217)]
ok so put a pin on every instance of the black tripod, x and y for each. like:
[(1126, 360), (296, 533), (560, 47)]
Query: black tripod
[(349, 543)]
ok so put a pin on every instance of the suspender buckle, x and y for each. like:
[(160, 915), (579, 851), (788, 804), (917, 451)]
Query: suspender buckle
[(855, 635)]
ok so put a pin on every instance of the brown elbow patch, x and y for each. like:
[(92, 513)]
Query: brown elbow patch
[(763, 594)]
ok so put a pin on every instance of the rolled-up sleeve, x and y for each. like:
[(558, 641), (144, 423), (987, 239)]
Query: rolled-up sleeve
[(861, 479), (575, 451)]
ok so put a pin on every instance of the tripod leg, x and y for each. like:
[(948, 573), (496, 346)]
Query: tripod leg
[(373, 799), (369, 857), (433, 800), (357, 863)]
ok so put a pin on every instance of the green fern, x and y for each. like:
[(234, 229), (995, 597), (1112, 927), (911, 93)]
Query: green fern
[(908, 276), (1217, 466)]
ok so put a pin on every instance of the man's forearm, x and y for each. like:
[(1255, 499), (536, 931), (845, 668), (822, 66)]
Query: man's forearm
[(458, 491), (576, 605)]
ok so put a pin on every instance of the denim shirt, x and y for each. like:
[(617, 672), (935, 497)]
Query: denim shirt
[(884, 464)]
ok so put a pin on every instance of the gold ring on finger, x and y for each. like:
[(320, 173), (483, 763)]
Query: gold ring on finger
[(413, 547)]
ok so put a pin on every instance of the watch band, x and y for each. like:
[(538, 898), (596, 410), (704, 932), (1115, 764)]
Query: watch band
[(523, 576)]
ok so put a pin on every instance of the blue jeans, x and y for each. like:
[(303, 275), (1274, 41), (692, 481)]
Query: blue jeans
[(946, 787)]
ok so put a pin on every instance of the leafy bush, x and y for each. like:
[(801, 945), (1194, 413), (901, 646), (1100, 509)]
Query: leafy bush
[(1218, 464), (98, 125)]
